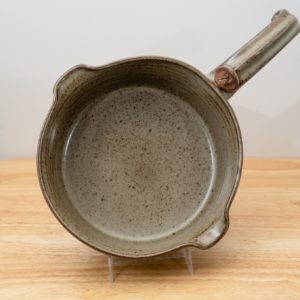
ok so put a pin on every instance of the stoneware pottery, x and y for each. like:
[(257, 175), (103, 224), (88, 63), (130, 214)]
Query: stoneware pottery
[(144, 155)]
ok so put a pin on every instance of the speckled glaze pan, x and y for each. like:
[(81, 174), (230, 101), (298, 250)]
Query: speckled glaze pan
[(143, 156)]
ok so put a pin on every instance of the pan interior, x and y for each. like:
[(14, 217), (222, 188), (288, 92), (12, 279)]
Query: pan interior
[(139, 163)]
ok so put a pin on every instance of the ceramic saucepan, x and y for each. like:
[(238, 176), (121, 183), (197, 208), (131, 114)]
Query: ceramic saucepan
[(143, 156)]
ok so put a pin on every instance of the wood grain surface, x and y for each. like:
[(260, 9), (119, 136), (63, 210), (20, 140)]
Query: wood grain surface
[(259, 258)]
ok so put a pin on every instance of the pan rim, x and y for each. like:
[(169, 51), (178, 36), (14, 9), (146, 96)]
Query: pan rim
[(233, 187)]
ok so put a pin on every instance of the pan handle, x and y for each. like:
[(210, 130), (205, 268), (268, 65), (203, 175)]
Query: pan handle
[(247, 61)]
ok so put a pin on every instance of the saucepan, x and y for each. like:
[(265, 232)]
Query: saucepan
[(144, 155)]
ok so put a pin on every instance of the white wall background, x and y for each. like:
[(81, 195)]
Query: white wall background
[(42, 39)]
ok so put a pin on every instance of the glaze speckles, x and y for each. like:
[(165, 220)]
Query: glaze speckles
[(127, 165), (145, 161)]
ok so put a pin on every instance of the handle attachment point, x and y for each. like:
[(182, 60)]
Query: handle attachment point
[(226, 79)]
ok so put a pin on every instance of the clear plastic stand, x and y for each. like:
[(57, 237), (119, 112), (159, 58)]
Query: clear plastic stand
[(184, 254)]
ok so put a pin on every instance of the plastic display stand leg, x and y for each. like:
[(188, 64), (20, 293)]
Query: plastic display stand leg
[(184, 254)]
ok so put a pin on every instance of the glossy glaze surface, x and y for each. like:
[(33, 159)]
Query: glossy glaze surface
[(143, 156), (140, 157)]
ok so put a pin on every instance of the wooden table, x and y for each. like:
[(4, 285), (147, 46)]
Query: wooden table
[(259, 258)]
